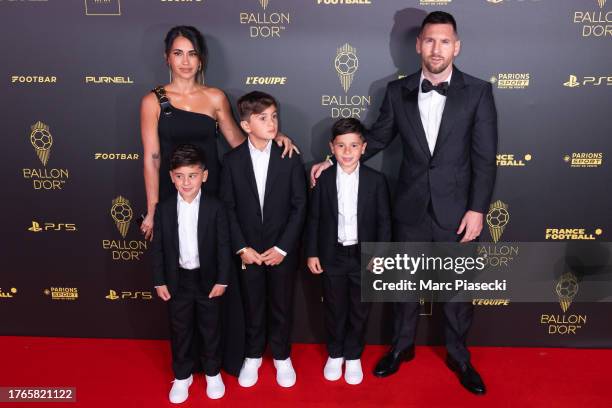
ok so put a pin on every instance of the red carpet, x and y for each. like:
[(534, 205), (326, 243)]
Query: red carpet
[(136, 373)]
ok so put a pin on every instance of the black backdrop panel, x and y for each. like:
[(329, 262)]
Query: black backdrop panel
[(73, 73)]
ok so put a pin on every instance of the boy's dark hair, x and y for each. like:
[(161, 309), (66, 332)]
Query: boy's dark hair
[(187, 155), (439, 17), (347, 125), (253, 103)]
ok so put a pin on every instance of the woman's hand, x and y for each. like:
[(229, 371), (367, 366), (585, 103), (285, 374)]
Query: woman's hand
[(147, 227), (316, 171), (287, 144)]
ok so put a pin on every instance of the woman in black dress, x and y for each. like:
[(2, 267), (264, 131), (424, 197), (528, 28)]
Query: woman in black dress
[(185, 111)]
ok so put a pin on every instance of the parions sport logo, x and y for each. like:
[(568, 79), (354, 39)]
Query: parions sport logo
[(44, 178), (60, 293), (511, 80), (584, 159)]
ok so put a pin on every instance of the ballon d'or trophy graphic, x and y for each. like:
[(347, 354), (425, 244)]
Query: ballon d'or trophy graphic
[(497, 219), (42, 141), (566, 288), (122, 214), (264, 3), (346, 64)]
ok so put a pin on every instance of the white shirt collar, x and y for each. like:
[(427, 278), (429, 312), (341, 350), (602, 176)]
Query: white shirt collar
[(341, 171), (253, 149), (196, 200)]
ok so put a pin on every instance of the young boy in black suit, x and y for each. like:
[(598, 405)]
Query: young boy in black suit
[(349, 205), (191, 269), (266, 201)]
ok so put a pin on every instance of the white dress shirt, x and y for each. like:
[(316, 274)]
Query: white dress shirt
[(261, 161), (187, 214), (431, 107), (348, 188)]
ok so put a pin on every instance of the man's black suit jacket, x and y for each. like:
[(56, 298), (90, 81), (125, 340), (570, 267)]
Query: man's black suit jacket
[(213, 243), (284, 208), (373, 213), (460, 175)]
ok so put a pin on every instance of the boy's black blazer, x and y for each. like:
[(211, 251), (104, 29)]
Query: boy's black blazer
[(373, 213), (213, 243), (284, 202)]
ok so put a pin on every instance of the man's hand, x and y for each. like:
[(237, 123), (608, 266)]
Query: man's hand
[(287, 145), (162, 292), (314, 265), (316, 171), (217, 290), (250, 256), (471, 224), (272, 257)]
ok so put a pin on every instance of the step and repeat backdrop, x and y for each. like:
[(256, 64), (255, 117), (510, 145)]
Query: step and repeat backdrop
[(73, 73)]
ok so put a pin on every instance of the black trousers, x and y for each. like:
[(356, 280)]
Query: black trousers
[(458, 315), (345, 315), (267, 292), (190, 309)]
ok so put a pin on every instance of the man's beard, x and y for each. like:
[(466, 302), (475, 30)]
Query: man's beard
[(436, 70)]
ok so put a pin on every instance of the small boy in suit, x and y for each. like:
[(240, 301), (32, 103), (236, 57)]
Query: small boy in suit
[(265, 197), (191, 268), (349, 205)]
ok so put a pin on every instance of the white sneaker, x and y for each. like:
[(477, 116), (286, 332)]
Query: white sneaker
[(249, 372), (215, 388), (285, 374), (180, 390), (353, 374), (333, 369)]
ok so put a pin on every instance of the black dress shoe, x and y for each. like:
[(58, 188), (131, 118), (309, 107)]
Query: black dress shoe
[(468, 376), (390, 363)]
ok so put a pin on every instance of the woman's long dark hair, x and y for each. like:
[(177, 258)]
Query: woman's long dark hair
[(197, 40)]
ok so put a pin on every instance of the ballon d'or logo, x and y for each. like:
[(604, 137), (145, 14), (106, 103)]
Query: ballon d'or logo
[(42, 141), (121, 211), (566, 288), (497, 219), (346, 64)]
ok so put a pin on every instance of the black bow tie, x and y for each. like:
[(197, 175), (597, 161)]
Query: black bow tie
[(441, 88)]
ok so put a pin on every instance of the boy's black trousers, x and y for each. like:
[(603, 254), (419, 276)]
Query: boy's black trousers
[(267, 292), (190, 309), (346, 315)]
